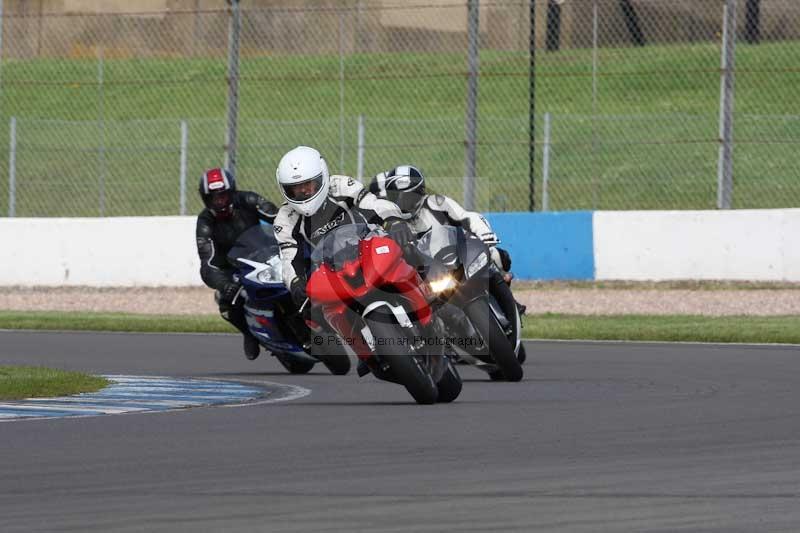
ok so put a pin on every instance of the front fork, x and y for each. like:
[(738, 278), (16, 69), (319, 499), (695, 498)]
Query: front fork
[(338, 318)]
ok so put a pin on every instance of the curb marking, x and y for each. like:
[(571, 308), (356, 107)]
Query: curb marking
[(134, 394)]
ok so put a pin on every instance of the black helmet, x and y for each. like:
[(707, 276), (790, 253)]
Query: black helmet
[(403, 185), (217, 187)]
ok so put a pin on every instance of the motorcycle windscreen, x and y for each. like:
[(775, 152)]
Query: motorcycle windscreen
[(440, 245), (255, 244), (339, 246)]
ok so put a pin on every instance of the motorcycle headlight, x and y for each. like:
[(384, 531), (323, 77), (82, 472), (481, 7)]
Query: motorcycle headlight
[(477, 265), (274, 271), (442, 284)]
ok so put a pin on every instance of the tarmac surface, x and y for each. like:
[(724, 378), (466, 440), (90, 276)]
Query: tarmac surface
[(598, 437)]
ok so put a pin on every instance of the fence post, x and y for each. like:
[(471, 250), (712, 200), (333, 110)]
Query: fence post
[(184, 149), (532, 107), (595, 81), (101, 124), (546, 163), (2, 20), (360, 164), (341, 93), (234, 36), (12, 166), (727, 93), (473, 15)]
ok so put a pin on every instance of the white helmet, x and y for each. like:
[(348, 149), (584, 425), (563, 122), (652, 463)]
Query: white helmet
[(304, 179)]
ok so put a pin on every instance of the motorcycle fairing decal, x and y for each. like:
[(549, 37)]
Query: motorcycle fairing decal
[(258, 268), (397, 310), (368, 337)]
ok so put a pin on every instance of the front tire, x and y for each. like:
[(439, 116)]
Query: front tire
[(499, 348), (449, 385), (396, 351)]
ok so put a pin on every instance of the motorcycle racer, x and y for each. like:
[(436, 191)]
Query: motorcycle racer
[(227, 214), (405, 186), (316, 203)]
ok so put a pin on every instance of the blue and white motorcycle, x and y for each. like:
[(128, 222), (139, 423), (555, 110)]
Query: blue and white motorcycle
[(270, 312)]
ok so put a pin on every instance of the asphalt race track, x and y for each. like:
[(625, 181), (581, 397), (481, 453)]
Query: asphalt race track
[(599, 437)]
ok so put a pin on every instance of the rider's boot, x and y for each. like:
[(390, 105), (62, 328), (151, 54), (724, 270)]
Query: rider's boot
[(251, 346), (507, 277)]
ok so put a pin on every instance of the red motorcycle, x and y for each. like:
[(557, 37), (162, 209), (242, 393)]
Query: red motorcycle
[(379, 305)]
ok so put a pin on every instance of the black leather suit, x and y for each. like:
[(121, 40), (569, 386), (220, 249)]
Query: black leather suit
[(215, 238)]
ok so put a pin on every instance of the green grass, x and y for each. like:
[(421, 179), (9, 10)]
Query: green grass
[(747, 329), (674, 328), (20, 382), (649, 142), (124, 322)]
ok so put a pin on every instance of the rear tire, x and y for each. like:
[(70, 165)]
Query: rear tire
[(333, 356), (396, 351), (294, 366), (499, 348), (338, 364), (449, 385)]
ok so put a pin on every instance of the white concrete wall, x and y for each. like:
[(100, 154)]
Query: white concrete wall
[(102, 252), (666, 245), (632, 245)]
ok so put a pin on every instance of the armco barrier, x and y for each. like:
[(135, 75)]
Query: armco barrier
[(635, 245)]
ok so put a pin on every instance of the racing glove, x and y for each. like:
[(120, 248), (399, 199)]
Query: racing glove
[(298, 290), (228, 292), (399, 232)]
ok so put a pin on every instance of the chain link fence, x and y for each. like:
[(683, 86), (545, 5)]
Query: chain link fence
[(110, 109)]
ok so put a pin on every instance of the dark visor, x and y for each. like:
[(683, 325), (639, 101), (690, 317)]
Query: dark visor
[(300, 192), (220, 200)]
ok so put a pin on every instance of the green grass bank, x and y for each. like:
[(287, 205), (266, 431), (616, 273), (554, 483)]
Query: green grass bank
[(682, 328), (20, 382), (646, 139)]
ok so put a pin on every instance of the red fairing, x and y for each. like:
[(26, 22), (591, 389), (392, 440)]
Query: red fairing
[(327, 287), (383, 264)]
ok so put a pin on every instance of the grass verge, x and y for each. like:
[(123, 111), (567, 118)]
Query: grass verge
[(124, 322), (689, 328), (685, 328), (19, 382)]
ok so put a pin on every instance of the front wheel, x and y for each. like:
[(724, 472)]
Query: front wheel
[(449, 385), (395, 349), (495, 339)]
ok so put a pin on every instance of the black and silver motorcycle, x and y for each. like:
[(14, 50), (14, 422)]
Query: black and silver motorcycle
[(475, 303)]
